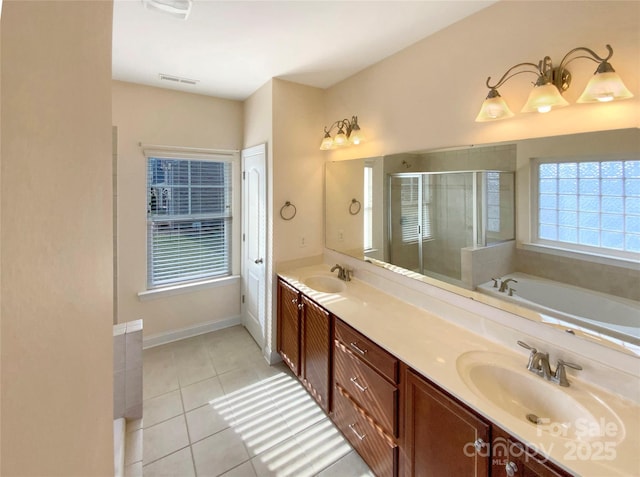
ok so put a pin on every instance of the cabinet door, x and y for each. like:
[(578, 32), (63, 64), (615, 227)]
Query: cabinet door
[(510, 458), (441, 435), (289, 326), (316, 351)]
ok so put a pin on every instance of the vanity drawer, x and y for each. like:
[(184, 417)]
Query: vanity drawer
[(376, 449), (365, 349), (368, 389)]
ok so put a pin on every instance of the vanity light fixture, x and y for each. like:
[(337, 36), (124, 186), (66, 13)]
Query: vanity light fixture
[(605, 85), (348, 133)]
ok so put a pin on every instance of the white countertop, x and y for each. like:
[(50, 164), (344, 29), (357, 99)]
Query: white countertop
[(431, 345)]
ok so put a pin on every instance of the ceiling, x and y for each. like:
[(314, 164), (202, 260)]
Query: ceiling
[(232, 48)]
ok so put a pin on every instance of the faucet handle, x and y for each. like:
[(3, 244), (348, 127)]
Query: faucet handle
[(495, 282), (560, 376), (526, 346)]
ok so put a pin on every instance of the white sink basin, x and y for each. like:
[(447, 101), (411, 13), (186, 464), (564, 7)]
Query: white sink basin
[(325, 284), (570, 413)]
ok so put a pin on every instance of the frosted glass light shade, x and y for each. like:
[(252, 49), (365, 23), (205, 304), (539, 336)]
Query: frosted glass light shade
[(493, 108), (543, 98), (340, 139), (603, 87), (356, 136), (326, 143)]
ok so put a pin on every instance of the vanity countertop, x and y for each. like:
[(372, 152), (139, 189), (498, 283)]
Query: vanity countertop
[(431, 345)]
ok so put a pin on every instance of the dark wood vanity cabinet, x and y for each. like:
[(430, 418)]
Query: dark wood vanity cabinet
[(511, 458), (316, 335), (399, 422), (305, 334), (289, 325), (441, 436), (367, 399)]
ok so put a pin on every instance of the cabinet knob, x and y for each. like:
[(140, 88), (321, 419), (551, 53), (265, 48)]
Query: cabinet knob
[(300, 306), (294, 301), (511, 468), (479, 444)]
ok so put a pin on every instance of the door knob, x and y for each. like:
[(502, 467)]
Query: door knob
[(258, 260)]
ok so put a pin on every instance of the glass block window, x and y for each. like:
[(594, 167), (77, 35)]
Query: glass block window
[(493, 201), (589, 205)]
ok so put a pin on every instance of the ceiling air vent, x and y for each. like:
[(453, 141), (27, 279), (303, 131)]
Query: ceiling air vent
[(177, 79), (176, 8)]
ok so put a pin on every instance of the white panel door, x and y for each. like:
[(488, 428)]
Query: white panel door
[(254, 241)]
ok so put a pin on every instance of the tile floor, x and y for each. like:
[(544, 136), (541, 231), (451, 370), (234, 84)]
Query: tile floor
[(214, 407)]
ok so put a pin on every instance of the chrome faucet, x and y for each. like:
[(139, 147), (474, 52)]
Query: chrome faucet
[(343, 272), (539, 364), (505, 284)]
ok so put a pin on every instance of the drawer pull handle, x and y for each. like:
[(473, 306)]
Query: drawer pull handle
[(358, 435), (358, 349), (358, 385)]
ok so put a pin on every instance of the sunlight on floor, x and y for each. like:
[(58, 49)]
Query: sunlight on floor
[(268, 414)]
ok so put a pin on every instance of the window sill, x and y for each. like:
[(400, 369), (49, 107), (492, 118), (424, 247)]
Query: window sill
[(187, 288), (580, 255)]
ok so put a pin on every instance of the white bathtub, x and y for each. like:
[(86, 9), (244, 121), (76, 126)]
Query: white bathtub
[(603, 313)]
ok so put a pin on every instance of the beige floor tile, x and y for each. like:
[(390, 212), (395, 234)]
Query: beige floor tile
[(323, 444), (208, 419), (243, 470), (159, 377), (261, 428), (161, 408), (241, 379), (178, 464), (201, 393), (194, 369), (165, 438), (350, 465), (218, 453), (287, 459)]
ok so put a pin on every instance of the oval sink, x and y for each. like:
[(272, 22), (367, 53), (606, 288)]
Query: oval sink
[(324, 284), (570, 413)]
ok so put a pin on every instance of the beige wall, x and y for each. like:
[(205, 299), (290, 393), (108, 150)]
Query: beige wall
[(57, 362), (149, 115), (288, 116), (428, 95)]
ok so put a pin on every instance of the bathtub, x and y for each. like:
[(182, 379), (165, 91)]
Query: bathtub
[(606, 314)]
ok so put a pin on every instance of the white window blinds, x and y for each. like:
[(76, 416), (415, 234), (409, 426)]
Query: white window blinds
[(188, 220)]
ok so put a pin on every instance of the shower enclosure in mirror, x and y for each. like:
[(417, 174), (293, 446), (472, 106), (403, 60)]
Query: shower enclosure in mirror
[(432, 222), (435, 218)]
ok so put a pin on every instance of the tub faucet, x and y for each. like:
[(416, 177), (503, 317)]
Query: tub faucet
[(505, 284), (343, 272)]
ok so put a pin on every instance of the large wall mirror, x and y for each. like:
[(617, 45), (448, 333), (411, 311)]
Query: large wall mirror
[(547, 228)]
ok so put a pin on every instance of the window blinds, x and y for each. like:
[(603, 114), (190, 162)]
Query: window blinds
[(188, 220)]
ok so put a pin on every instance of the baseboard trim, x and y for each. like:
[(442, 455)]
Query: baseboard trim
[(189, 332)]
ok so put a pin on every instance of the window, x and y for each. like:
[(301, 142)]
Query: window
[(415, 201), (493, 202), (188, 220), (368, 207), (589, 205)]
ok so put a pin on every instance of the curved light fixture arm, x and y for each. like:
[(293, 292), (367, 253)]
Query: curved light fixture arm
[(594, 56), (507, 76)]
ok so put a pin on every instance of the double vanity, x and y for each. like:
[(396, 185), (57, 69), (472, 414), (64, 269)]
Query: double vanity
[(416, 394)]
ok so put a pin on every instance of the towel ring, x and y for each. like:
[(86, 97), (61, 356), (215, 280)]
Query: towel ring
[(290, 215), (354, 207)]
